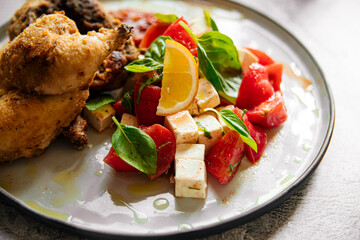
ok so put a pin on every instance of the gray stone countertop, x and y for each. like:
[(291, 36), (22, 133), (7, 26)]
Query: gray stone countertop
[(328, 205)]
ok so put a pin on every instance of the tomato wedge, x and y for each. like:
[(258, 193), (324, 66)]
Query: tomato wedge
[(257, 134), (255, 87), (264, 59), (275, 74), (154, 31), (165, 143), (224, 159), (270, 113), (180, 35), (114, 161)]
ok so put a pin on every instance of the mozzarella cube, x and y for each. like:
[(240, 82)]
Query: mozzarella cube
[(190, 151), (210, 131), (193, 109), (190, 178), (246, 58), (183, 126), (129, 120), (100, 118), (207, 96), (222, 123)]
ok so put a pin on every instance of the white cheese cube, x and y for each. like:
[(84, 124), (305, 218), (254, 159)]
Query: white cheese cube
[(246, 58), (193, 109), (210, 131), (207, 96), (190, 178), (190, 151), (129, 120), (100, 118), (183, 126), (222, 123)]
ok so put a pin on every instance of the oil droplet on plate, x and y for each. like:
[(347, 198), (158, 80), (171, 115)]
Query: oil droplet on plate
[(147, 188), (220, 218), (98, 173), (31, 169), (297, 159), (184, 226), (48, 212), (306, 147), (161, 204)]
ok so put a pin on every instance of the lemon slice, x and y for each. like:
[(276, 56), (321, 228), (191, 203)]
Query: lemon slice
[(180, 79)]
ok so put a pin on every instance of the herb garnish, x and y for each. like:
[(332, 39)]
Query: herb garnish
[(232, 167), (210, 22), (128, 101), (194, 188), (219, 62), (147, 83), (235, 123), (135, 147), (154, 57), (168, 18), (206, 132), (167, 143), (99, 101)]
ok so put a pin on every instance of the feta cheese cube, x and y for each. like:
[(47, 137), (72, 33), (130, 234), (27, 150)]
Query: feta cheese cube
[(210, 131), (246, 58), (207, 96), (190, 151), (193, 109), (190, 178), (183, 126), (222, 123), (129, 119), (100, 118)]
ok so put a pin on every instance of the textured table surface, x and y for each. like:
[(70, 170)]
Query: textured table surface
[(328, 205)]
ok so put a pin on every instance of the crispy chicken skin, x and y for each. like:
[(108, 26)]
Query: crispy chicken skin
[(51, 57), (76, 132), (29, 123), (45, 73)]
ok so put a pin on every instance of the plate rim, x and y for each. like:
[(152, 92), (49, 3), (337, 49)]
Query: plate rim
[(224, 225)]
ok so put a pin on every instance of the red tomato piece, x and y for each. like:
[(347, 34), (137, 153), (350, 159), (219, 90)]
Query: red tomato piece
[(257, 134), (114, 161), (223, 159), (119, 107), (264, 59), (149, 100), (154, 31), (270, 113), (180, 35), (166, 140), (275, 74), (254, 88)]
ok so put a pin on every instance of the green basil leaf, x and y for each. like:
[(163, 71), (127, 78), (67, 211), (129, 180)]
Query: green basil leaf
[(135, 147), (235, 123), (99, 101), (147, 83), (128, 101), (227, 87), (156, 50), (169, 18), (143, 65), (210, 22), (221, 51)]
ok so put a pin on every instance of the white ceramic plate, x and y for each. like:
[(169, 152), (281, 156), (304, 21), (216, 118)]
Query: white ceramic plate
[(75, 190)]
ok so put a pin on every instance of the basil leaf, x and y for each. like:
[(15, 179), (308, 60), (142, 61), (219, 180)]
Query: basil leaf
[(169, 18), (156, 50), (128, 101), (227, 87), (235, 123), (147, 83), (143, 65), (99, 101), (210, 22), (135, 147)]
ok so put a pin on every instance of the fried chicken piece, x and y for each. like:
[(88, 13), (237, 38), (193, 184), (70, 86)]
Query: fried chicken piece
[(76, 132), (51, 57), (29, 123), (88, 15)]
